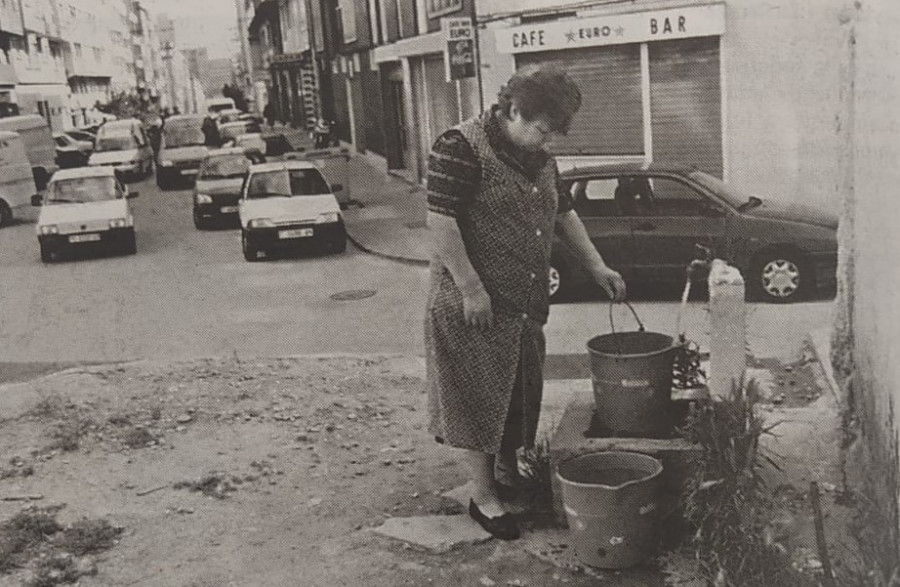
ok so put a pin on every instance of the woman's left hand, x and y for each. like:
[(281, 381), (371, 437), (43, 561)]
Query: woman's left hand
[(611, 281)]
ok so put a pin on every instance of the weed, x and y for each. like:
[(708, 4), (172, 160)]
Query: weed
[(22, 534), (66, 435), (726, 503), (137, 437), (537, 473), (88, 537), (214, 484)]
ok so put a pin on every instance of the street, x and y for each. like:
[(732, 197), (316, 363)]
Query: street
[(189, 294)]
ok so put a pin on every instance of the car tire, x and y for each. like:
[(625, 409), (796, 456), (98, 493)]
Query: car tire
[(47, 254), (558, 280), (780, 276), (339, 244), (130, 246), (6, 215), (251, 253), (200, 223), (161, 181)]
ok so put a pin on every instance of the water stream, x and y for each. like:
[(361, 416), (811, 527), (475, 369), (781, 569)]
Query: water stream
[(684, 298)]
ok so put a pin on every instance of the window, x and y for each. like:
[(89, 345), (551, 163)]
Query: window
[(346, 13), (77, 49), (441, 7)]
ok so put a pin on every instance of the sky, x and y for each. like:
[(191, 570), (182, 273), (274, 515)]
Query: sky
[(203, 23)]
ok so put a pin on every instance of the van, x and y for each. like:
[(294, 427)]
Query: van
[(16, 178), (124, 145), (182, 147), (39, 144)]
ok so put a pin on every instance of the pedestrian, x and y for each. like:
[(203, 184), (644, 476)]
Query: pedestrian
[(322, 132), (494, 200), (269, 114)]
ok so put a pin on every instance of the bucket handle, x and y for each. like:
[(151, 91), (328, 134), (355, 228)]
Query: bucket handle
[(612, 325)]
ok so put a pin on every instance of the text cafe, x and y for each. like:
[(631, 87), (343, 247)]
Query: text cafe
[(619, 61)]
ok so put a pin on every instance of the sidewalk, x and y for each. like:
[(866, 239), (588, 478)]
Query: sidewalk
[(386, 216)]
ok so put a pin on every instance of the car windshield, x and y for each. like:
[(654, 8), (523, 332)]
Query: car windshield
[(287, 183), (116, 143), (82, 189), (733, 196), (224, 167), (184, 135)]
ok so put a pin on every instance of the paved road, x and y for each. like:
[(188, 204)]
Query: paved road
[(189, 294)]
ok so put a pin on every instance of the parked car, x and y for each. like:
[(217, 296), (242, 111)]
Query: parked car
[(253, 146), (289, 205), (124, 146), (83, 135), (648, 220), (181, 149), (84, 208), (218, 104), (16, 179), (217, 190), (71, 152), (39, 144), (231, 130)]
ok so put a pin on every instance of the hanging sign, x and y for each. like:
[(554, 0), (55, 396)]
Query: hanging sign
[(459, 49)]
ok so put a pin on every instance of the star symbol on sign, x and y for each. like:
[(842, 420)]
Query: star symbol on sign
[(570, 36), (619, 31)]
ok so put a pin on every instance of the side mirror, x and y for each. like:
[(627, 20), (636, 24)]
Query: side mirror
[(37, 200), (133, 195), (337, 187)]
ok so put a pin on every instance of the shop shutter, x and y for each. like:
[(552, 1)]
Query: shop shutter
[(443, 105), (685, 103), (610, 121), (341, 107)]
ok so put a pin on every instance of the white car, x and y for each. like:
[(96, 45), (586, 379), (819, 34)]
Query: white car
[(289, 205), (123, 145), (86, 207)]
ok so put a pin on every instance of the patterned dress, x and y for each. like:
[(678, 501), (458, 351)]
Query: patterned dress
[(485, 385)]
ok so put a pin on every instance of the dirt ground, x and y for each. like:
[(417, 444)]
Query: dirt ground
[(234, 472)]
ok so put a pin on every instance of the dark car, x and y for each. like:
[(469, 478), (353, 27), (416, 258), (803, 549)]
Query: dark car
[(647, 220), (71, 152), (217, 190)]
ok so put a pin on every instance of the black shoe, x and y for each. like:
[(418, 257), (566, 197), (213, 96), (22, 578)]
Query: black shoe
[(506, 492), (504, 527)]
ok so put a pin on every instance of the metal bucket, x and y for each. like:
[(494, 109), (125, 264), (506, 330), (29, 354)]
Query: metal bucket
[(631, 373), (611, 504)]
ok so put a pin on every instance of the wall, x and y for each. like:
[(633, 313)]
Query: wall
[(780, 89), (865, 342)]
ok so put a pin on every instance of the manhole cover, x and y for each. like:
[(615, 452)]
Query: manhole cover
[(353, 294), (415, 224)]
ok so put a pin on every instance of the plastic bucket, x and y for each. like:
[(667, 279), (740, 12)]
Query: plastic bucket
[(611, 500), (631, 373)]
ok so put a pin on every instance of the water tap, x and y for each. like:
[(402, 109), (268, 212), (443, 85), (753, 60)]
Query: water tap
[(702, 262)]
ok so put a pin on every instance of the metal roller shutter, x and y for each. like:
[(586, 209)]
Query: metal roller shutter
[(610, 121), (685, 103)]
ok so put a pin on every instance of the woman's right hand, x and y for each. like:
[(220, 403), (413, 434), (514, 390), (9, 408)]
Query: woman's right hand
[(477, 308)]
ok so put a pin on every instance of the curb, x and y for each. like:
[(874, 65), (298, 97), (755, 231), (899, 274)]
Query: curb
[(398, 258), (819, 343)]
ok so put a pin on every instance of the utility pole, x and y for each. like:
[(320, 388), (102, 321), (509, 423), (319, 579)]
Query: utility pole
[(311, 25), (245, 51)]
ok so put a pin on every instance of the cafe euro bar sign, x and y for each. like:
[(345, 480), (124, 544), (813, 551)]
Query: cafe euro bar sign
[(615, 29), (459, 51)]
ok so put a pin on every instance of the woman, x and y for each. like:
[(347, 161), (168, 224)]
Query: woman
[(494, 201)]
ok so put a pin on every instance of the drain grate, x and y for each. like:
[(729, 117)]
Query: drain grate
[(353, 295)]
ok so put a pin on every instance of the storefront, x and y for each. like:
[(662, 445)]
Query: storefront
[(650, 81)]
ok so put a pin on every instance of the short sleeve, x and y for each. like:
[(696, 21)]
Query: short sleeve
[(454, 174), (564, 202)]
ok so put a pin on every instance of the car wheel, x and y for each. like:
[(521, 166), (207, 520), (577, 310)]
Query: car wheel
[(558, 280), (780, 276), (250, 253), (339, 244), (48, 255), (130, 246), (200, 223), (161, 182), (6, 215)]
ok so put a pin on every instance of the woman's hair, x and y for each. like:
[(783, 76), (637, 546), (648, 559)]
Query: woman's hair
[(542, 92)]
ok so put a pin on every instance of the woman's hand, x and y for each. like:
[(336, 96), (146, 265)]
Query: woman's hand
[(611, 281), (477, 307)]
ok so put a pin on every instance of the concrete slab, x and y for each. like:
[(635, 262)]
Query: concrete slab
[(569, 441), (435, 533)]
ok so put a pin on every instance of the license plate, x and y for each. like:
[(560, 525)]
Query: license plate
[(84, 238), (295, 233), (188, 172), (228, 209)]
